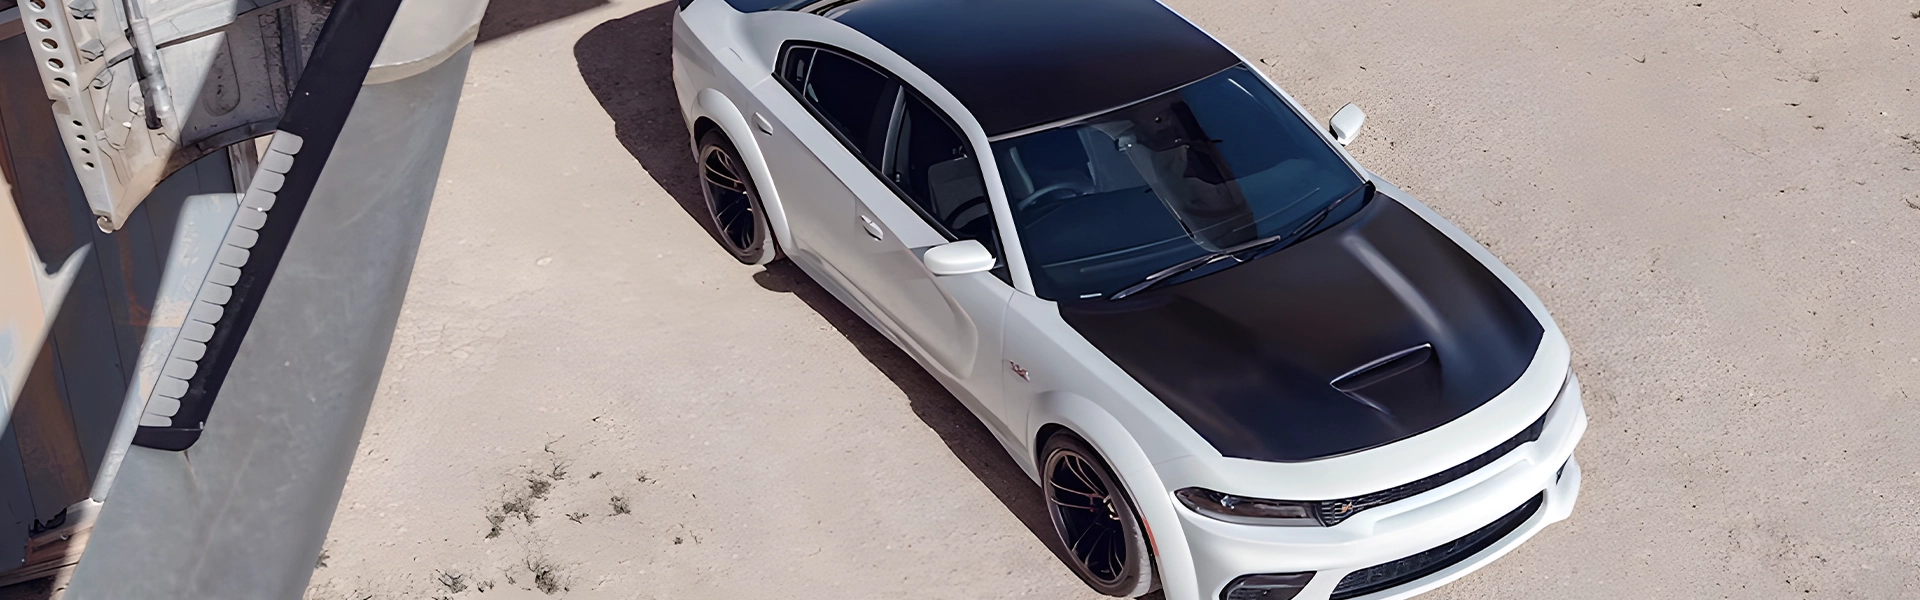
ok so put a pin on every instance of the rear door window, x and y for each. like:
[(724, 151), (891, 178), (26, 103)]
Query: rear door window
[(855, 101)]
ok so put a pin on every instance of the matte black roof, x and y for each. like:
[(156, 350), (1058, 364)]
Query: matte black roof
[(1021, 63)]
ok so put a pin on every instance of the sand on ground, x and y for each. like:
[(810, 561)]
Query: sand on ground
[(587, 398)]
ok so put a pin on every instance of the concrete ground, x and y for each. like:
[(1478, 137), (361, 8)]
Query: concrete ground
[(1719, 200)]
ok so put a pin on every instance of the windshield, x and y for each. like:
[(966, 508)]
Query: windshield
[(1104, 202)]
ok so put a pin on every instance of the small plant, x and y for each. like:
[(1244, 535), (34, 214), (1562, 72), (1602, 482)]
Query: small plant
[(519, 506), (576, 516), (620, 505), (546, 577), (539, 485), (594, 475), (453, 581), (494, 521)]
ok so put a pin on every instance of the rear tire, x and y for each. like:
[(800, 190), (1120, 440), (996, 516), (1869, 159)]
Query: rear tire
[(733, 201), (1094, 519)]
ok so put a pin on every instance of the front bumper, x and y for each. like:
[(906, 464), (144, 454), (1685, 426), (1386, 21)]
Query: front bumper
[(1223, 552)]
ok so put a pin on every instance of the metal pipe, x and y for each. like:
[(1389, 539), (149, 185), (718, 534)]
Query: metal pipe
[(153, 81)]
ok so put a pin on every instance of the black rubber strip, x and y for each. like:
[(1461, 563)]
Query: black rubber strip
[(318, 110)]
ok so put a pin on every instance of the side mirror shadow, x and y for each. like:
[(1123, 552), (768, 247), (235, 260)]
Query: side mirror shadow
[(958, 258), (1346, 123)]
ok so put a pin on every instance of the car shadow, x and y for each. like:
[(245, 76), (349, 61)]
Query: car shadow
[(627, 65), (956, 425), (508, 17), (952, 421)]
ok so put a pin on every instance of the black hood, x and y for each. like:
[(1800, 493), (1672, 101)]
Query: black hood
[(1372, 331)]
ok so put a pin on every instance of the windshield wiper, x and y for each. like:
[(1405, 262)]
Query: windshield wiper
[(1194, 263), (1312, 223), (1317, 217), (1270, 244)]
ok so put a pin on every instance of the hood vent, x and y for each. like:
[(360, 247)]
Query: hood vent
[(1408, 378)]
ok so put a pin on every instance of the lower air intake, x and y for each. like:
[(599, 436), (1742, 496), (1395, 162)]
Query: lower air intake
[(1384, 576)]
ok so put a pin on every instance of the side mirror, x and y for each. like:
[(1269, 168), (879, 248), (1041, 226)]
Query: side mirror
[(1346, 123), (958, 258)]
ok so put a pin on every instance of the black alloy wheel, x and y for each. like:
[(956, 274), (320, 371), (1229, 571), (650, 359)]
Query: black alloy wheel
[(1103, 539), (733, 204)]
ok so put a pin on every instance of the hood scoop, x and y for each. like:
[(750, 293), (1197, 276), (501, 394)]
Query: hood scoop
[(1403, 379)]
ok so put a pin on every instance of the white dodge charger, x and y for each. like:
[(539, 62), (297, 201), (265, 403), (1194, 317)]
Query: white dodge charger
[(1240, 365)]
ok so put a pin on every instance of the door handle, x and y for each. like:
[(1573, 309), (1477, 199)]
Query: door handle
[(760, 122), (873, 228)]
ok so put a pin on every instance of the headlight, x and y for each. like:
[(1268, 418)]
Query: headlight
[(1292, 513), (1249, 511)]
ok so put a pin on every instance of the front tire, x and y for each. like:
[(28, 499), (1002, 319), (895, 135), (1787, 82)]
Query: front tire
[(1094, 519), (733, 202)]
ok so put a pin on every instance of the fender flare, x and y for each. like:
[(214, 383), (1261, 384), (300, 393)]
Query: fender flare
[(1131, 464), (715, 106)]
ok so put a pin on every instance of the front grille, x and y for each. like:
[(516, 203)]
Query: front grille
[(1380, 577), (1333, 512)]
